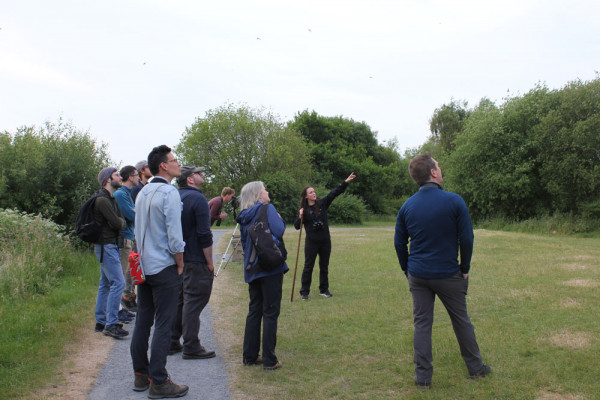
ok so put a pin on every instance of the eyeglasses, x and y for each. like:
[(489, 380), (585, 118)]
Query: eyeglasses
[(174, 160)]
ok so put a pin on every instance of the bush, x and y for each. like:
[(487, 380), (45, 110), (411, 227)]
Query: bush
[(35, 253), (50, 170), (347, 209)]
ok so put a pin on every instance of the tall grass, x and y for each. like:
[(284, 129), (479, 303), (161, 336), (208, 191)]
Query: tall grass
[(533, 300), (34, 254), (47, 295)]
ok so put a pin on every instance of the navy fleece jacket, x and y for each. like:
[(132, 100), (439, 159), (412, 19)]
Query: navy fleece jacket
[(438, 224)]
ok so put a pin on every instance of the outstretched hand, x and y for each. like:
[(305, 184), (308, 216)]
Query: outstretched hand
[(352, 176)]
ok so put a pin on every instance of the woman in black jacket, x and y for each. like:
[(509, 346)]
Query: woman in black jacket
[(313, 213)]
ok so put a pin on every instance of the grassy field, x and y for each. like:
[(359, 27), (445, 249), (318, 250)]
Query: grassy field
[(534, 301)]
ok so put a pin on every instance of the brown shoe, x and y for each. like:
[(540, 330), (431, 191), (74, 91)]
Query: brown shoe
[(141, 382), (175, 348), (167, 389), (203, 353), (258, 360), (273, 367)]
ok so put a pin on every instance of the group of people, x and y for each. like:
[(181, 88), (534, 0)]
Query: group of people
[(140, 210), (171, 229)]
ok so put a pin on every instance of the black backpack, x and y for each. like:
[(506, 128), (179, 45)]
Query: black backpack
[(86, 226), (270, 256)]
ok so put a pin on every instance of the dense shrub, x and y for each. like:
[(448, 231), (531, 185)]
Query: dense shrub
[(347, 209), (49, 170), (35, 253)]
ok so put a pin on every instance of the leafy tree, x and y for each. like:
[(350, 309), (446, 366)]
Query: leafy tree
[(447, 122), (49, 170), (339, 146), (239, 144), (535, 155)]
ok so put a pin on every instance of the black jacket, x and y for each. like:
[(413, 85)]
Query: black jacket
[(316, 225)]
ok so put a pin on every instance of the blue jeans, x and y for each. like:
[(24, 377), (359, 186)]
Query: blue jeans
[(111, 284)]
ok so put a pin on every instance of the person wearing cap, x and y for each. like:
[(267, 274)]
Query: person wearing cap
[(198, 269), (130, 178), (144, 175), (111, 284), (216, 205)]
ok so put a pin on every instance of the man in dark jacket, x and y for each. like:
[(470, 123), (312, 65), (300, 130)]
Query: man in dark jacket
[(438, 225), (198, 269), (111, 285)]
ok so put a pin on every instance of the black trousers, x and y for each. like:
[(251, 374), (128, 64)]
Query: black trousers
[(452, 292), (265, 304), (311, 250), (193, 297), (157, 302)]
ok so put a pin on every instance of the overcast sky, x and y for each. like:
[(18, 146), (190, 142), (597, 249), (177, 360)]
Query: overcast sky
[(136, 73)]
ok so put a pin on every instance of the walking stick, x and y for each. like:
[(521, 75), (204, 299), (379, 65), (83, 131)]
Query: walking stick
[(297, 255)]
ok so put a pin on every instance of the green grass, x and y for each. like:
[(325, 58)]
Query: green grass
[(47, 292), (533, 300)]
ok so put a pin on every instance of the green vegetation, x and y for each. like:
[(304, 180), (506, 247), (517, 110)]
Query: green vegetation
[(47, 291), (49, 170), (533, 300), (534, 155), (238, 144)]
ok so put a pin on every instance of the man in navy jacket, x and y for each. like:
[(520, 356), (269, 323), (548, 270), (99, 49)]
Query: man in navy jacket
[(438, 225), (198, 269)]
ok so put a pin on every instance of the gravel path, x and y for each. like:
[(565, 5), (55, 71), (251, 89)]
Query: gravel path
[(207, 379)]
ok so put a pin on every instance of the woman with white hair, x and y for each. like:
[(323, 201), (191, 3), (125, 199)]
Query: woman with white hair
[(264, 285)]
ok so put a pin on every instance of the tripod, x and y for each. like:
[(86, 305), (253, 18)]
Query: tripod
[(238, 240)]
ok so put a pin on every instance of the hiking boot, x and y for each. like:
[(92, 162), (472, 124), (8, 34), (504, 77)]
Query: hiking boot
[(175, 348), (484, 371), (167, 389), (99, 327), (273, 367), (326, 294), (125, 316), (115, 331), (258, 360), (203, 353), (304, 297), (423, 385), (129, 303), (141, 382)]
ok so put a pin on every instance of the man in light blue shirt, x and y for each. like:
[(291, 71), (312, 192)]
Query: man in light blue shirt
[(160, 243)]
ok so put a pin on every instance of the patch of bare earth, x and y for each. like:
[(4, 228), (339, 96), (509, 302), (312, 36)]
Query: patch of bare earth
[(77, 375), (582, 283), (568, 303), (548, 395), (575, 267), (572, 340)]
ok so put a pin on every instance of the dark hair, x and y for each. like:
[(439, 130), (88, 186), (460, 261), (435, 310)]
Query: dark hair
[(157, 156), (304, 202), (127, 172), (420, 168), (182, 180)]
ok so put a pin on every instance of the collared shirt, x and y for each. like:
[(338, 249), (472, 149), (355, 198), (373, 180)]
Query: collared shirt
[(158, 225), (125, 202)]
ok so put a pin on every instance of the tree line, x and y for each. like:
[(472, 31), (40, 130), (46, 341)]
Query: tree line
[(532, 155)]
